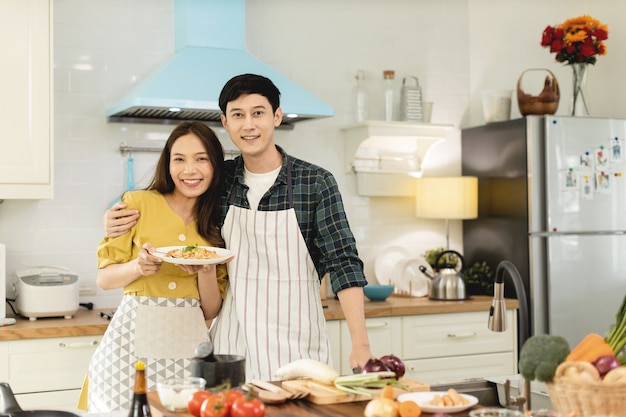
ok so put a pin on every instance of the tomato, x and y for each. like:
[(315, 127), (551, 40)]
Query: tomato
[(195, 402), (231, 396), (214, 406), (247, 407)]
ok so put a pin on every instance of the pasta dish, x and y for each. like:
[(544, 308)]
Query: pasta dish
[(193, 252)]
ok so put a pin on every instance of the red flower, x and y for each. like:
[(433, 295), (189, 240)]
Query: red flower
[(576, 40)]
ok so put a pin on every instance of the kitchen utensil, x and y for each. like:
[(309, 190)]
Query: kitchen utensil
[(293, 394), (447, 283), (217, 369), (9, 406), (423, 399), (411, 100)]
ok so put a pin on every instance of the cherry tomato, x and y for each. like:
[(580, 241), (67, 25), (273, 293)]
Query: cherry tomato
[(195, 402), (247, 407), (214, 406)]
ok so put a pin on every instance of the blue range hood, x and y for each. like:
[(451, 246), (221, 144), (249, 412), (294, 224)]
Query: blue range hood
[(209, 37)]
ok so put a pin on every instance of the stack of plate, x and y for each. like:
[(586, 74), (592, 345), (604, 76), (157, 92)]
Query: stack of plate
[(396, 265)]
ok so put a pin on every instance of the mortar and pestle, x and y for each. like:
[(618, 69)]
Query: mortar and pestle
[(218, 369)]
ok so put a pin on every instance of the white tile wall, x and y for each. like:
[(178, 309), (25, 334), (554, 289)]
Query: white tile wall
[(455, 47)]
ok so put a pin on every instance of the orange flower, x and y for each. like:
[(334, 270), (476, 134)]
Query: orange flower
[(576, 40)]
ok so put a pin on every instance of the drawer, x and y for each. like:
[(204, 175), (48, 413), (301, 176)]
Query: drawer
[(49, 364), (456, 334), (461, 367)]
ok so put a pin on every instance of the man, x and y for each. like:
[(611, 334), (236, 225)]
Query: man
[(285, 221)]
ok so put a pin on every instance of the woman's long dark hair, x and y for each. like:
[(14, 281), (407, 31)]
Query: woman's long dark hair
[(206, 206)]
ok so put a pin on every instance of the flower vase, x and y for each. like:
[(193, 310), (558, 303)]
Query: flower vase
[(580, 106)]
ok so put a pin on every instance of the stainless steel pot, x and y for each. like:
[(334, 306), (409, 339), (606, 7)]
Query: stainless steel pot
[(448, 283), (10, 408)]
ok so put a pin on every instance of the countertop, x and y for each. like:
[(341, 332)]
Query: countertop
[(89, 322)]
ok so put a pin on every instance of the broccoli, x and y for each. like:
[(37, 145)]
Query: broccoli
[(540, 356)]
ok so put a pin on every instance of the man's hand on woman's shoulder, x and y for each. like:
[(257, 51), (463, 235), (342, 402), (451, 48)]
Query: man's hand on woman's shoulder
[(117, 220)]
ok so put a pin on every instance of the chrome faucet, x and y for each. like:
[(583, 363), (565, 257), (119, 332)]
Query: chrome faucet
[(497, 322)]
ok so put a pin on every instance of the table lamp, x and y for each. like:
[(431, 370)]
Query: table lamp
[(448, 198)]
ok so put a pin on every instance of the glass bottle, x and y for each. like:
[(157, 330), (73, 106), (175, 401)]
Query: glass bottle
[(360, 99), (389, 95), (140, 406)]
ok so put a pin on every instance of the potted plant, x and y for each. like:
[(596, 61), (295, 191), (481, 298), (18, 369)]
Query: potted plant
[(479, 279)]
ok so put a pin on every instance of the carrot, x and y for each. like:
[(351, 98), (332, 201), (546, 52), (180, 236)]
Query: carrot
[(387, 392), (409, 408), (589, 349)]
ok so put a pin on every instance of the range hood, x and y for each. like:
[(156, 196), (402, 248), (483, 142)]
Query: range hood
[(209, 42)]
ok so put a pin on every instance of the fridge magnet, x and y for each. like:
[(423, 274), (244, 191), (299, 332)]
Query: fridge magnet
[(601, 158), (585, 161), (571, 182), (586, 188), (616, 150), (603, 182)]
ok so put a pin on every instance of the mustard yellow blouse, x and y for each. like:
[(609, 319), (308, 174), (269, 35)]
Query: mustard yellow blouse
[(160, 225)]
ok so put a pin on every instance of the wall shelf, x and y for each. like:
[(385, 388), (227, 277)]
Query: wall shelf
[(386, 156)]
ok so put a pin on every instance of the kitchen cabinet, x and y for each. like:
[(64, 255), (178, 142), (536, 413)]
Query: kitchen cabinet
[(47, 373), (439, 347), (384, 337), (388, 156), (26, 161), (456, 346)]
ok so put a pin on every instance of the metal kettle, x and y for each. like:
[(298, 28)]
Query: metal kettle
[(448, 283)]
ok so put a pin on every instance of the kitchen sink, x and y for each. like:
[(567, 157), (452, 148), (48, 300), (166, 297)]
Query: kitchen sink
[(491, 392), (485, 391)]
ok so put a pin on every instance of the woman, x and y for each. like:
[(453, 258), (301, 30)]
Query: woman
[(161, 318)]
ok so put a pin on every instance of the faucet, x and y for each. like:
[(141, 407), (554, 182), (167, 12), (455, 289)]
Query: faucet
[(497, 321)]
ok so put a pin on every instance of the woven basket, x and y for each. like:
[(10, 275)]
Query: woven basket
[(546, 102), (588, 399)]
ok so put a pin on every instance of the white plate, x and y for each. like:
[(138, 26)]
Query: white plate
[(423, 399), (409, 279), (386, 259), (223, 255)]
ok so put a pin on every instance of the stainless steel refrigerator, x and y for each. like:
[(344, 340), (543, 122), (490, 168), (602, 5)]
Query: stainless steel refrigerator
[(552, 200)]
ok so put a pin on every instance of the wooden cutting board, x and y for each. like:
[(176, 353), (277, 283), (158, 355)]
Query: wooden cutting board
[(320, 393)]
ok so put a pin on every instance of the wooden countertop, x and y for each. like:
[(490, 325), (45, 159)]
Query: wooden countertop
[(89, 322)]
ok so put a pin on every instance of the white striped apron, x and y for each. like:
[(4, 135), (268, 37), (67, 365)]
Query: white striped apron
[(272, 312)]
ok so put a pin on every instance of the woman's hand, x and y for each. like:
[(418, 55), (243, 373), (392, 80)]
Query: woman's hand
[(117, 220), (148, 264), (196, 269)]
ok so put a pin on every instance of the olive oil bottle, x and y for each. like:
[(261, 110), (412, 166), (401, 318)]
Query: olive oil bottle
[(140, 406)]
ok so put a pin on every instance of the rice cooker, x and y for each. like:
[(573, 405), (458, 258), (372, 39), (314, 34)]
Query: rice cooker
[(47, 292)]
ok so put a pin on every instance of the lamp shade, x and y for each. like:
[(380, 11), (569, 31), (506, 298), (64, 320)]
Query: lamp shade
[(447, 198)]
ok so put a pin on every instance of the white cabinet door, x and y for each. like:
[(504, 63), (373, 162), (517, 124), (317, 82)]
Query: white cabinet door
[(333, 327), (26, 99), (384, 337)]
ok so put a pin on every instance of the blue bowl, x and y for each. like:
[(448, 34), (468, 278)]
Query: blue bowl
[(377, 292)]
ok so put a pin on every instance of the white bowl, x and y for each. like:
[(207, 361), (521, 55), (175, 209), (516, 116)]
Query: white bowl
[(174, 393)]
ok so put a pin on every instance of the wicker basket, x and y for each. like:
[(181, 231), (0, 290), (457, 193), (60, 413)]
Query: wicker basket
[(546, 102), (588, 399)]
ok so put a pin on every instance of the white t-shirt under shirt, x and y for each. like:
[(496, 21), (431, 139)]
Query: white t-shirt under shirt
[(258, 185)]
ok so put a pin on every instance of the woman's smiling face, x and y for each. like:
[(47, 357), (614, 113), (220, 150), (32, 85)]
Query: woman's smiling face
[(190, 167)]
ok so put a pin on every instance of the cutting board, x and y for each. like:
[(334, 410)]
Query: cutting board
[(320, 393)]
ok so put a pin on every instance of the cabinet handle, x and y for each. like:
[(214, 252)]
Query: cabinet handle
[(459, 335), (78, 344), (376, 325)]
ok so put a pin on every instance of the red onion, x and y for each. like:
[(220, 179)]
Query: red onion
[(605, 363), (394, 364), (374, 365)]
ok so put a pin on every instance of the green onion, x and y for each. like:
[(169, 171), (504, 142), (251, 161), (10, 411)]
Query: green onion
[(367, 384)]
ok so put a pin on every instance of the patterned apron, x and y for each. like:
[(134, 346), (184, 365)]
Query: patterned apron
[(162, 332), (272, 312)]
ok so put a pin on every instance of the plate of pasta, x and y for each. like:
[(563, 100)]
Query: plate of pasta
[(193, 254)]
